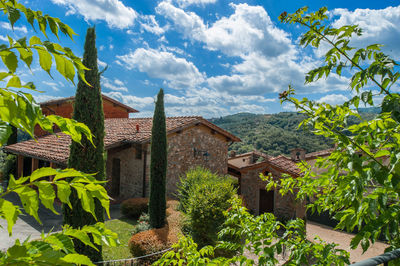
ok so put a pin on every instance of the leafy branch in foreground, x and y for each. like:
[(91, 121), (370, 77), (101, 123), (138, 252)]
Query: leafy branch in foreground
[(34, 188), (360, 186), (263, 236), (18, 109)]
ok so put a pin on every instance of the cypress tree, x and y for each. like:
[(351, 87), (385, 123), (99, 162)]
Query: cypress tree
[(158, 165), (88, 109)]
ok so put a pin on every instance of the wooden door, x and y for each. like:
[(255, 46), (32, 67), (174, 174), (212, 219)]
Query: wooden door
[(116, 177), (266, 201)]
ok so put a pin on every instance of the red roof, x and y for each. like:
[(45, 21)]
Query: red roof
[(245, 161), (286, 164), (72, 98), (55, 148), (316, 154)]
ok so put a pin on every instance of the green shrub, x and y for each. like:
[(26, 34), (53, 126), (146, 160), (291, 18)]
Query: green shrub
[(134, 207), (143, 224), (204, 197), (9, 166)]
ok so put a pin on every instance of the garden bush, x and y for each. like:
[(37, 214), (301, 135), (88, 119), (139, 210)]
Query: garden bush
[(204, 196), (157, 239), (134, 207), (9, 166)]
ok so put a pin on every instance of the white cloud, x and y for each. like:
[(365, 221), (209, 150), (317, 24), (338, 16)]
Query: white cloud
[(101, 63), (3, 38), (39, 98), (114, 12), (53, 85), (138, 103), (149, 23), (101, 48), (185, 3), (115, 85), (7, 26), (379, 26), (119, 82), (248, 30), (333, 99), (188, 23), (176, 71)]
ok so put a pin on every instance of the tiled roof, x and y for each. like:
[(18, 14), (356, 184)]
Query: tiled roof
[(72, 98), (313, 155), (55, 148), (286, 164), (280, 162)]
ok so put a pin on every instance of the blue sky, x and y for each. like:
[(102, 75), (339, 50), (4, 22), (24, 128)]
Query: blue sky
[(212, 57)]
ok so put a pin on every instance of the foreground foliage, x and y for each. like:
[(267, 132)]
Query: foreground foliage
[(18, 109), (361, 183), (263, 236)]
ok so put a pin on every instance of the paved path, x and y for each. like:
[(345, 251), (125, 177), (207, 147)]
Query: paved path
[(343, 239), (27, 225)]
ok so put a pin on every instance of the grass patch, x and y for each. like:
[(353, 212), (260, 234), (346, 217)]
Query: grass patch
[(123, 227)]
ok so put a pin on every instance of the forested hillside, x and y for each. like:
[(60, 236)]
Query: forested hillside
[(273, 134)]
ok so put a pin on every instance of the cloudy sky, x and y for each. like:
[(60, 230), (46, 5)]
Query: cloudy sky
[(212, 57)]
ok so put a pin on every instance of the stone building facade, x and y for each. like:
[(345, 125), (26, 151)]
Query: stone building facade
[(248, 167), (192, 141)]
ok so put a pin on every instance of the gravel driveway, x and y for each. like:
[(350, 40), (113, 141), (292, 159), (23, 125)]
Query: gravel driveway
[(343, 239)]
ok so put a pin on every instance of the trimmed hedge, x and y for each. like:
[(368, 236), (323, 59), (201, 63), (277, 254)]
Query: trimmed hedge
[(134, 207), (157, 239)]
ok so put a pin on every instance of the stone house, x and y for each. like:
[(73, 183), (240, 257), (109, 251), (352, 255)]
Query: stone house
[(247, 168), (192, 141)]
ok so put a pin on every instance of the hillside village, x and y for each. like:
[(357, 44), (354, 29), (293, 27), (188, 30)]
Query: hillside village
[(124, 166)]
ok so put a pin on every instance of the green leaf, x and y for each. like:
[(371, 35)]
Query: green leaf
[(9, 212), (10, 60), (78, 259), (13, 15), (29, 200), (47, 194), (382, 153), (63, 192), (65, 67), (34, 40), (5, 132), (42, 172), (44, 59), (14, 82)]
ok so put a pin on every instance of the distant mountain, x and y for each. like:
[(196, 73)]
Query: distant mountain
[(274, 134)]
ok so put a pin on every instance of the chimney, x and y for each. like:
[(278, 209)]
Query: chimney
[(232, 154), (137, 127), (298, 154)]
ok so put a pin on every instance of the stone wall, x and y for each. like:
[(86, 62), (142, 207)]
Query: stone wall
[(131, 172), (195, 146), (284, 206)]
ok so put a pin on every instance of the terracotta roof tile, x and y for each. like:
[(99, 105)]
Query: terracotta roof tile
[(313, 155), (286, 164), (55, 148), (72, 98)]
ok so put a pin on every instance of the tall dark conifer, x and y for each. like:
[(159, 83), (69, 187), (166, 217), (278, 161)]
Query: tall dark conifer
[(88, 109), (158, 165)]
